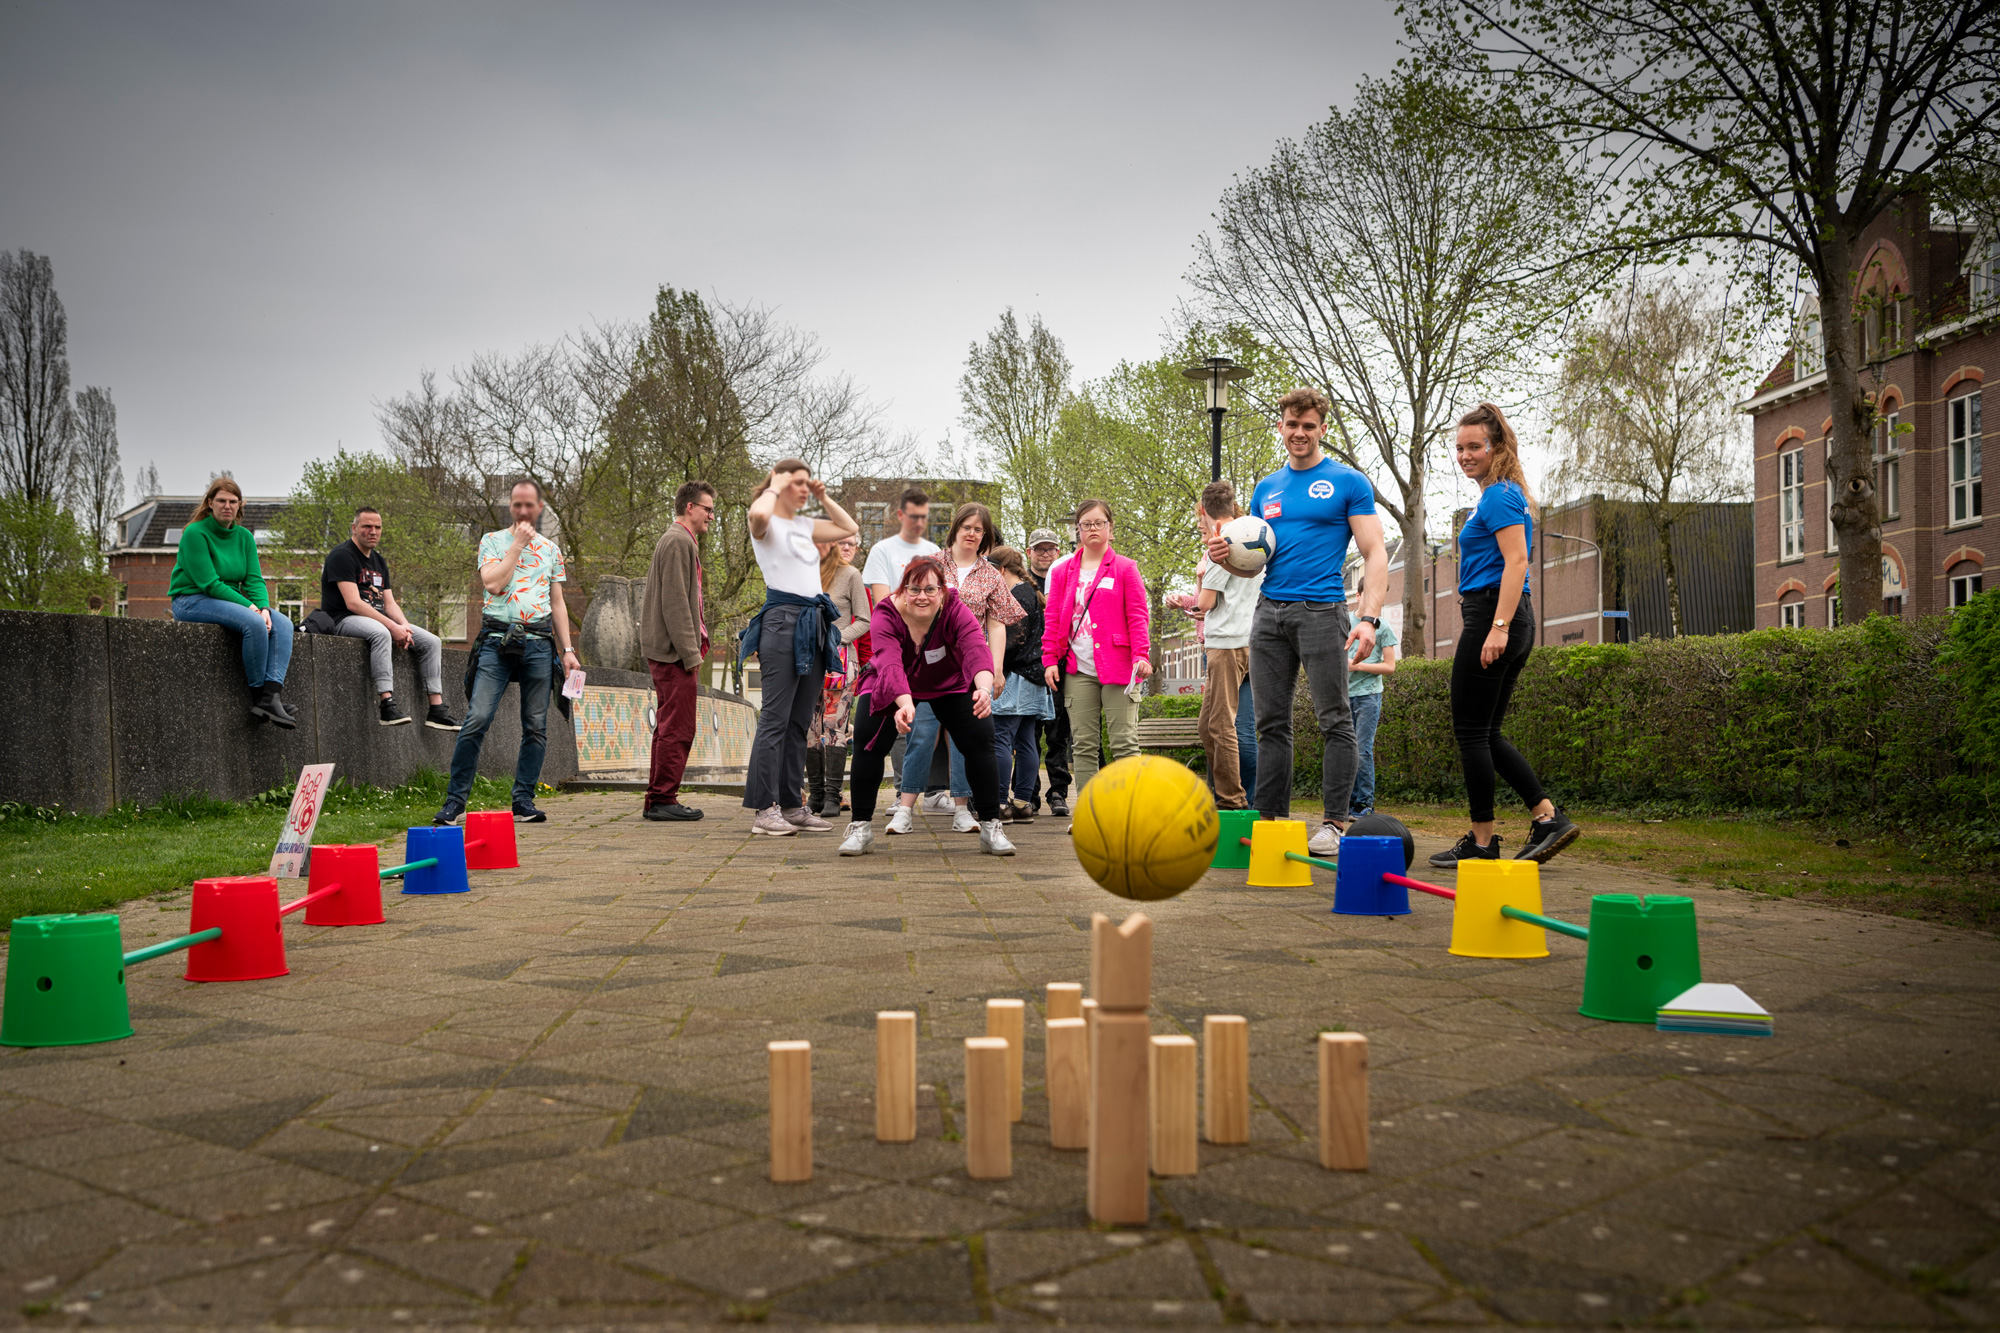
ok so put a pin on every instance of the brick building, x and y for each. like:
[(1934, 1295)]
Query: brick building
[(1597, 577), (1930, 297), (873, 503)]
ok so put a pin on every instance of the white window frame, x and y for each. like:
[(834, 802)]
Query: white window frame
[(1792, 615), (1791, 504), (872, 516), (1809, 342), (1982, 271), (1832, 610), (1965, 587), (1889, 466), (1963, 463)]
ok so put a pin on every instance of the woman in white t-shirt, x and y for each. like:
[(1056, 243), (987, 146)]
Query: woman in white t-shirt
[(784, 542)]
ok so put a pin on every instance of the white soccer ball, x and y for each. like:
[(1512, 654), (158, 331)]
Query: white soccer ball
[(1251, 544)]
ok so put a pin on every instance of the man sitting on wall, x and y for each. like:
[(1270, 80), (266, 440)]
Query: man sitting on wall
[(356, 595)]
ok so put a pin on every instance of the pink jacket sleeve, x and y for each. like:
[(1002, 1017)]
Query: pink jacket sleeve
[(1138, 612)]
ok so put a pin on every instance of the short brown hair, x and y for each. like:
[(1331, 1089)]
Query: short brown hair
[(1009, 559), (971, 509), (1093, 503), (912, 496), (1303, 400), (689, 492), (223, 483), (1218, 500)]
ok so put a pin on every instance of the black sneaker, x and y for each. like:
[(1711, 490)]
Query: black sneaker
[(529, 816), (673, 812), (446, 817), (1548, 836), (440, 720), (1465, 849), (1023, 813), (1059, 806), (390, 715)]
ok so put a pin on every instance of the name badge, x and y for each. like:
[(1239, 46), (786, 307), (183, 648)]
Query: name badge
[(1106, 583), (934, 655), (1273, 508)]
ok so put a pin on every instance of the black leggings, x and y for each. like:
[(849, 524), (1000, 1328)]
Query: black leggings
[(1479, 699), (875, 735)]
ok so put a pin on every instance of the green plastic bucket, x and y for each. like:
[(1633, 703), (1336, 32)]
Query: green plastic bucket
[(1230, 853), (1643, 953), (65, 981)]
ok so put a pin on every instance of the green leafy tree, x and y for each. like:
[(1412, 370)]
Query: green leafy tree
[(1400, 263), (1014, 391), (431, 550), (47, 561), (1774, 130)]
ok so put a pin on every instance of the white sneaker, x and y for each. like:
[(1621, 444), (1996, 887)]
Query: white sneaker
[(773, 823), (962, 820), (805, 821), (1326, 842), (937, 803), (860, 836), (902, 821), (993, 839)]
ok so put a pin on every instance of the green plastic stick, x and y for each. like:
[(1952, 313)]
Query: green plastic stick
[(1546, 922), (169, 946), (1313, 861), (407, 866)]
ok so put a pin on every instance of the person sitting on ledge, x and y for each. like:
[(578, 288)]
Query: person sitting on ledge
[(355, 593), (217, 581)]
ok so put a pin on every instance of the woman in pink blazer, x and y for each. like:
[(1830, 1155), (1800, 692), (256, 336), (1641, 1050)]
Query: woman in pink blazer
[(1096, 637)]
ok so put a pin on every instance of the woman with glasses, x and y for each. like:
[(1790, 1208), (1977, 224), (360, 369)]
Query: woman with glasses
[(929, 648), (826, 739), (1098, 626)]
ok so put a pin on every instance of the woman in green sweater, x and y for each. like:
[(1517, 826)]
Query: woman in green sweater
[(218, 581)]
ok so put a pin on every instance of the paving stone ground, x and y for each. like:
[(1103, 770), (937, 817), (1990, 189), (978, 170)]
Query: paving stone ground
[(542, 1103)]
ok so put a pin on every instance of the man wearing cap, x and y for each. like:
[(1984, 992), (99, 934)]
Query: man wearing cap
[(1044, 547)]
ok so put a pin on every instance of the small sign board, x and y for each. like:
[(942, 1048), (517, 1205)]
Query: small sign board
[(295, 839), (1180, 685)]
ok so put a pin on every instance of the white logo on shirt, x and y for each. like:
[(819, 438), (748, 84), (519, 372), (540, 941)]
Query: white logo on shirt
[(1321, 489)]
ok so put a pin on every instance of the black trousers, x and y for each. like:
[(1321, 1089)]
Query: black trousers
[(875, 735), (1056, 733), (1479, 699)]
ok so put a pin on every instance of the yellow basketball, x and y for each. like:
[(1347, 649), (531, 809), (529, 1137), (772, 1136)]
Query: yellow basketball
[(1145, 828)]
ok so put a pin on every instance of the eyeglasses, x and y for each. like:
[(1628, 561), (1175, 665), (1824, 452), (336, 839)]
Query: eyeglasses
[(708, 509), (1094, 525), (928, 590)]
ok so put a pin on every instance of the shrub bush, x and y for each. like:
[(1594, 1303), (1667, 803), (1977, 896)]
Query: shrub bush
[(1896, 720)]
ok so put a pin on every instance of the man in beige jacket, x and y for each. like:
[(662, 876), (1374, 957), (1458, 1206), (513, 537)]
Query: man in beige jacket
[(674, 637)]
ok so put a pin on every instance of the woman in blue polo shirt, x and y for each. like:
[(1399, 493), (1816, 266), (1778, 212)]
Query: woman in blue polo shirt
[(1496, 634)]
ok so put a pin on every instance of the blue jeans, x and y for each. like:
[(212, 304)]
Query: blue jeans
[(917, 751), (1367, 716), (535, 670), (266, 653), (1246, 738), (1017, 748)]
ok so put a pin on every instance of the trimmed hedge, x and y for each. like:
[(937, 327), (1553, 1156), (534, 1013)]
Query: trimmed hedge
[(1890, 719)]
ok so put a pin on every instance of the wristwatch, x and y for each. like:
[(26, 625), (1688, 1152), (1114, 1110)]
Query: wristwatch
[(1499, 624), (1376, 621)]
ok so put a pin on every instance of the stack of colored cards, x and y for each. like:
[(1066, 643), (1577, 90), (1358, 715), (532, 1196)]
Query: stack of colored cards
[(1715, 1007)]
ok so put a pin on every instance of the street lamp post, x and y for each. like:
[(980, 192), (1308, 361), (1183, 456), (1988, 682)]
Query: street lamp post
[(1214, 376), (1597, 568)]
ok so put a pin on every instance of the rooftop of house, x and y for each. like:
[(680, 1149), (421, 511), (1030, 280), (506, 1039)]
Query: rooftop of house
[(155, 523)]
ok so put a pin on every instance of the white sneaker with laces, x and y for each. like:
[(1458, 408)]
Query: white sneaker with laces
[(772, 823), (860, 836), (1326, 842), (993, 839), (937, 803), (962, 820), (902, 821)]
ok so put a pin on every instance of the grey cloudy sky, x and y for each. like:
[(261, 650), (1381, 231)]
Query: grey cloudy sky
[(265, 219)]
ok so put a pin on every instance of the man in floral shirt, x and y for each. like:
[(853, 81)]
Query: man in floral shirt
[(522, 623)]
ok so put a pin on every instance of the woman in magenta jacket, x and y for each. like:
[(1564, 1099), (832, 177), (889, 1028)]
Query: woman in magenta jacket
[(1096, 637)]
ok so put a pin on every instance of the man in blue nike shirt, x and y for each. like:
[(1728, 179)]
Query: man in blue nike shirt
[(1313, 506)]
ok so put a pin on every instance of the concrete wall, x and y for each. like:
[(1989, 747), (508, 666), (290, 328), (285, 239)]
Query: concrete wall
[(137, 710)]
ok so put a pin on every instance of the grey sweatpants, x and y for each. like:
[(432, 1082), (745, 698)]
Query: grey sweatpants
[(1283, 637), (430, 653)]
